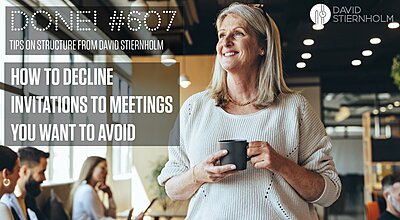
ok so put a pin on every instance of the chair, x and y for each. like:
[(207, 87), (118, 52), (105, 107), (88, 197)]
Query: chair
[(53, 209), (372, 210)]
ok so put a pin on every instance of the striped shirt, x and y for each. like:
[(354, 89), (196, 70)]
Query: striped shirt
[(290, 126)]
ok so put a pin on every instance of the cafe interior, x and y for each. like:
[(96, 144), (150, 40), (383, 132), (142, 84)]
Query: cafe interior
[(345, 69)]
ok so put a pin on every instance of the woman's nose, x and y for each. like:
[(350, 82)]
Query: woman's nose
[(228, 41)]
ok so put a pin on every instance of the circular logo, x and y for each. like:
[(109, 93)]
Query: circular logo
[(320, 14)]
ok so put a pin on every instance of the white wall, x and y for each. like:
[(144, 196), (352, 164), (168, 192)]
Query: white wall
[(348, 156), (309, 88)]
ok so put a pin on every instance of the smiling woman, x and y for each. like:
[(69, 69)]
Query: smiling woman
[(290, 168)]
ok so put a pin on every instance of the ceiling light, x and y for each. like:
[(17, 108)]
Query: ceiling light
[(318, 27), (367, 53), (390, 106), (301, 65), (184, 81), (168, 58), (375, 111), (308, 42), (306, 56), (375, 40), (382, 109), (139, 3), (356, 62), (342, 114), (396, 103), (393, 25)]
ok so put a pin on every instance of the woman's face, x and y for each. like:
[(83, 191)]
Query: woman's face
[(100, 172), (14, 176), (237, 47)]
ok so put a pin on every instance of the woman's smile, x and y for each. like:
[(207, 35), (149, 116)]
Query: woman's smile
[(237, 46)]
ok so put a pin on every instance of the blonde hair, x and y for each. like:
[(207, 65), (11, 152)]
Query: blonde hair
[(270, 72), (85, 175)]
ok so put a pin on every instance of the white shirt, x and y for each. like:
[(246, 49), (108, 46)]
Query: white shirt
[(5, 212), (12, 202), (88, 206)]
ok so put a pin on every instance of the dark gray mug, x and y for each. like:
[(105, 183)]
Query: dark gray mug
[(237, 153)]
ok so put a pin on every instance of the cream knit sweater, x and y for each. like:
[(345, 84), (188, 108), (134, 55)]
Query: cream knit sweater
[(292, 129)]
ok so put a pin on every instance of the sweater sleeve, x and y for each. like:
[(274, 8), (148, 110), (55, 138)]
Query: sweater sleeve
[(314, 149), (178, 161)]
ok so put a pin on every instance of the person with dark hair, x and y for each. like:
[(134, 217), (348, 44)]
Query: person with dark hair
[(391, 193), (32, 174), (9, 167)]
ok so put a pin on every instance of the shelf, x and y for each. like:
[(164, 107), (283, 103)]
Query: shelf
[(380, 154), (393, 163)]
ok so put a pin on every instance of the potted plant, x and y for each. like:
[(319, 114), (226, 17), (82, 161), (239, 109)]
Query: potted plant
[(162, 196), (396, 70)]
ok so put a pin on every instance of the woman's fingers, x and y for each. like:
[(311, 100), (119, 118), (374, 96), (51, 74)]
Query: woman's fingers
[(253, 151), (207, 171), (263, 156), (221, 169), (261, 161), (215, 177), (216, 156), (256, 143), (260, 154), (258, 158), (257, 147)]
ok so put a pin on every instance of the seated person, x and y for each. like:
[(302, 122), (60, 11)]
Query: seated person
[(32, 174), (391, 192), (86, 204), (9, 167)]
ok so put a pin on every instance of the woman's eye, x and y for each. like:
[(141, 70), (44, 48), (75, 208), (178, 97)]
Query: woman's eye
[(240, 34), (221, 36)]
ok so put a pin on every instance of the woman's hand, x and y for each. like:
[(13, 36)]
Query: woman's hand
[(207, 171), (263, 156), (184, 186), (105, 188), (308, 184)]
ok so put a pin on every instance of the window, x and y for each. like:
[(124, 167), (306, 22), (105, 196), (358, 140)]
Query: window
[(121, 152), (65, 162)]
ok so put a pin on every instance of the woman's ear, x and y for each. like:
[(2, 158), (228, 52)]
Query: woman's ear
[(4, 173)]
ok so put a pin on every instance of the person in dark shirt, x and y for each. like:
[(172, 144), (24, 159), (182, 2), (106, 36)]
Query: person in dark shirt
[(391, 192)]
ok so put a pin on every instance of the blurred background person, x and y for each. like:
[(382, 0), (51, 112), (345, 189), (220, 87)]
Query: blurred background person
[(32, 174), (9, 166), (86, 203), (391, 193)]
